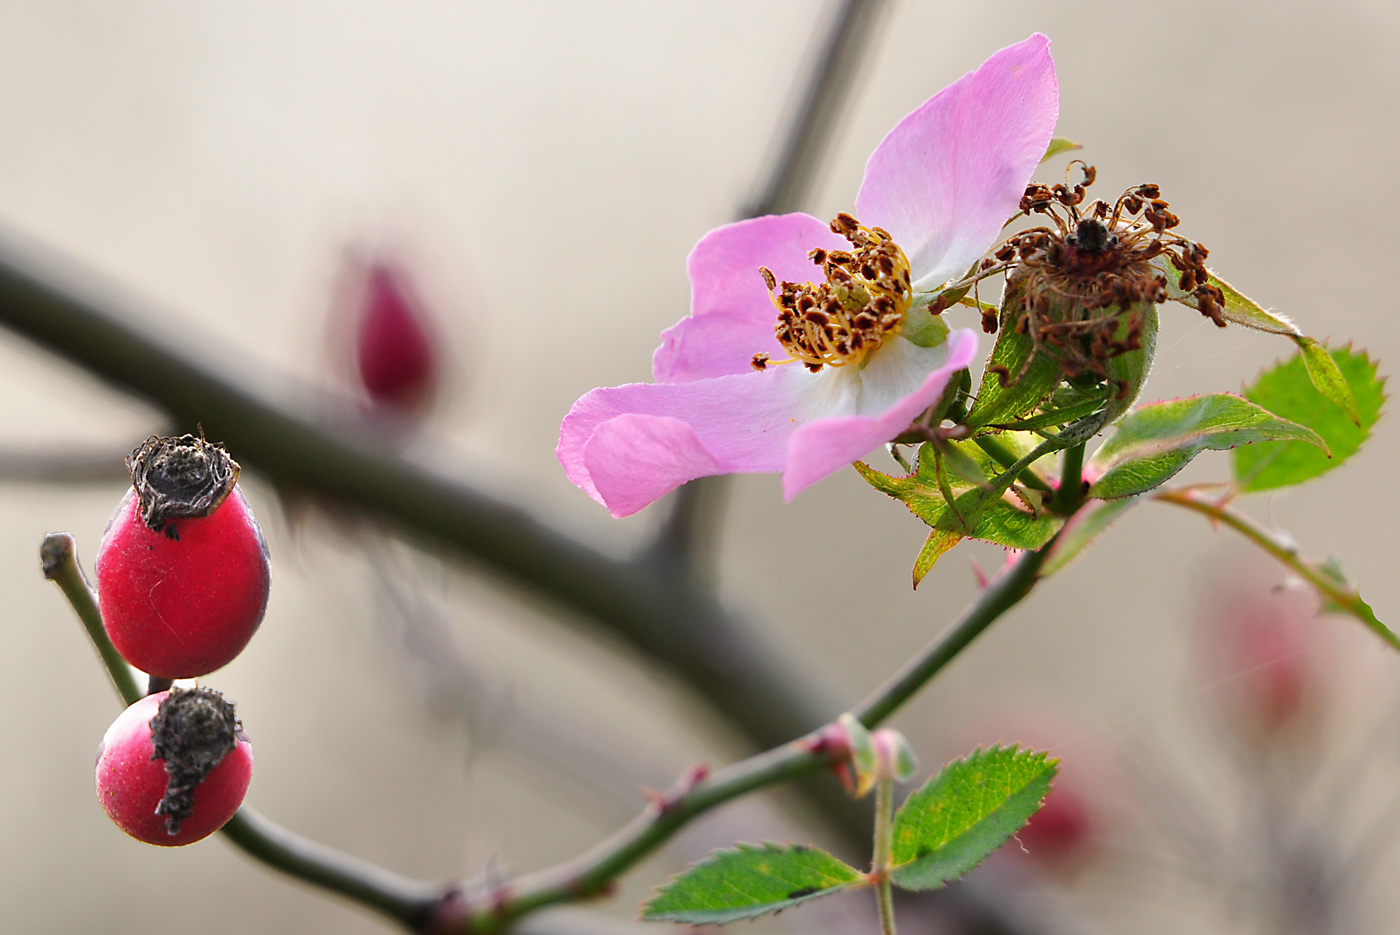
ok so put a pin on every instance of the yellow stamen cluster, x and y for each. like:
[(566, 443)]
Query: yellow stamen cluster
[(845, 318)]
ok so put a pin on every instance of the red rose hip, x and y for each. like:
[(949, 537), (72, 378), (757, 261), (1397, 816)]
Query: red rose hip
[(182, 571), (174, 767)]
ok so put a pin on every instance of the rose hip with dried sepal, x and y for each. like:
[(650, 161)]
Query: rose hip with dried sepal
[(174, 767), (182, 571)]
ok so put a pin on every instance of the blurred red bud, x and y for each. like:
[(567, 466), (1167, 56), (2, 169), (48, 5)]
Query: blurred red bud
[(397, 362), (1264, 652), (1057, 835)]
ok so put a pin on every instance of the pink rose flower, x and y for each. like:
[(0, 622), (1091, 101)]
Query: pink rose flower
[(786, 366)]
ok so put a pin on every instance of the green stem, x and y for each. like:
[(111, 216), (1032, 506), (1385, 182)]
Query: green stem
[(880, 862), (593, 873), (410, 902), (1348, 600), (1069, 496), (1006, 458), (1003, 593), (58, 556)]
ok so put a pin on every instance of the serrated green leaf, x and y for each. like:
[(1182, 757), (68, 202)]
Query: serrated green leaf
[(1287, 391), (1239, 308), (1158, 440), (964, 813), (747, 881), (978, 513), (1059, 145), (1328, 379), (1082, 529), (938, 543)]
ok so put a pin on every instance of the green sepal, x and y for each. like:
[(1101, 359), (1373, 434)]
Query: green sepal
[(1030, 376), (864, 761), (1156, 441), (747, 881), (1327, 377), (1076, 406), (1082, 530), (1059, 145), (1238, 308), (1288, 391), (1130, 369), (964, 813), (903, 762), (922, 327)]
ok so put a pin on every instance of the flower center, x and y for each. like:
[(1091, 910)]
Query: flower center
[(844, 319)]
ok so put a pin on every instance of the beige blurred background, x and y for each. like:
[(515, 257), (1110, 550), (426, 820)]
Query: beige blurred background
[(545, 168)]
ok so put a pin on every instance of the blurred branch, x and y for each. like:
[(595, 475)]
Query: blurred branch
[(834, 64), (689, 534), (65, 466), (653, 602), (651, 605), (1334, 590)]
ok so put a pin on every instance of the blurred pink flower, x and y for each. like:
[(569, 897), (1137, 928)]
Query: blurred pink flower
[(854, 360)]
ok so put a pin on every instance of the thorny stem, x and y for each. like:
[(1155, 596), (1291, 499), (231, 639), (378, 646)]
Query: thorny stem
[(487, 909), (880, 863), (492, 909), (59, 558), (1348, 599), (1006, 457)]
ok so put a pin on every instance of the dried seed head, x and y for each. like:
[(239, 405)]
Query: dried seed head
[(1084, 279)]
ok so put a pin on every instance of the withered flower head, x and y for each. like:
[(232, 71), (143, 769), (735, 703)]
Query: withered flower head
[(1083, 282)]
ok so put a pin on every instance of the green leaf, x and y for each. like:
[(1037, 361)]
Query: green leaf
[(1082, 406), (1059, 145), (977, 513), (1287, 391), (1082, 529), (965, 812), (1158, 440), (1327, 377), (938, 543), (1239, 308), (747, 881)]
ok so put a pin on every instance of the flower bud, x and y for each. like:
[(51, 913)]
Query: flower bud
[(394, 353)]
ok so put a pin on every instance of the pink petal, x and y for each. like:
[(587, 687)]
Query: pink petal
[(824, 446), (949, 175), (731, 315), (634, 459), (742, 422)]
